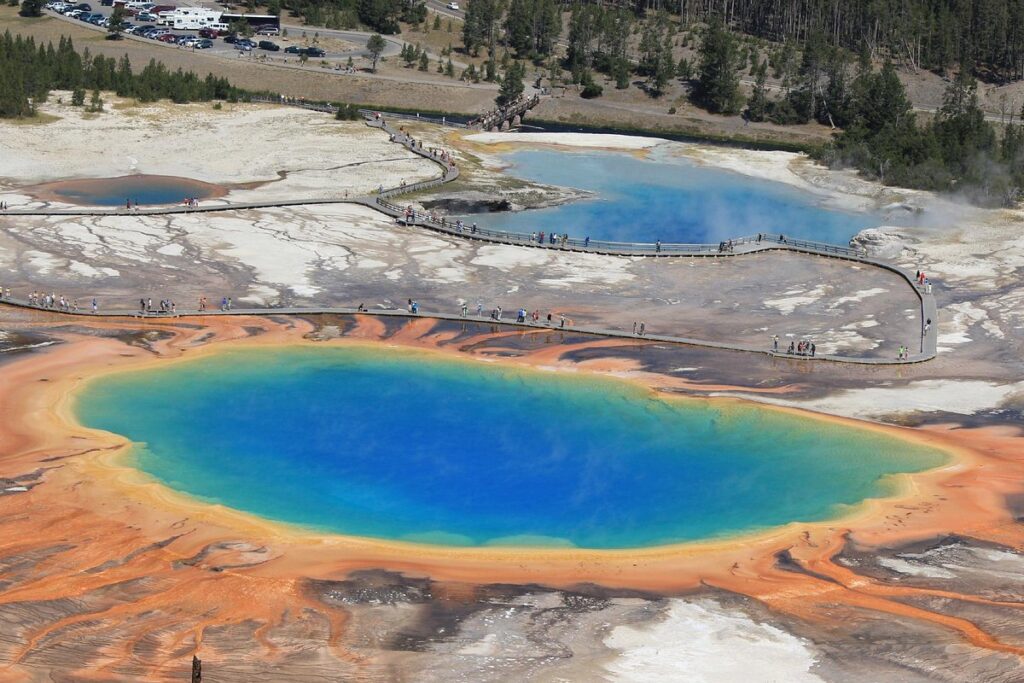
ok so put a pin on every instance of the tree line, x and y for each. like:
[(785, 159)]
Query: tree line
[(28, 72), (880, 135), (938, 35)]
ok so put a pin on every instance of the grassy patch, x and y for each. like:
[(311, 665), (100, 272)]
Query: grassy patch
[(679, 133), (40, 119)]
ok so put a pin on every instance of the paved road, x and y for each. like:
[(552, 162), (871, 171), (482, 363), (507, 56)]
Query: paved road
[(442, 8)]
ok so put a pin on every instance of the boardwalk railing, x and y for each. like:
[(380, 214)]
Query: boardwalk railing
[(498, 116), (526, 326)]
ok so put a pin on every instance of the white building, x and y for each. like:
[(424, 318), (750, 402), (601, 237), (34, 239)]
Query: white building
[(193, 17)]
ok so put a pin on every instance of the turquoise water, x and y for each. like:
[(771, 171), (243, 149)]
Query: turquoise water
[(672, 200), (145, 190), (402, 445)]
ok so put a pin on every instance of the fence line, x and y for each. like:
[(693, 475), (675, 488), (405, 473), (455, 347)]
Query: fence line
[(527, 326)]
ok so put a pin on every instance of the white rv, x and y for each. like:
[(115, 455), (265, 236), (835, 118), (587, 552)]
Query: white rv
[(191, 18)]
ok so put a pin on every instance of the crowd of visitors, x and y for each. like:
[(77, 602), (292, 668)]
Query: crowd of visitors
[(803, 347)]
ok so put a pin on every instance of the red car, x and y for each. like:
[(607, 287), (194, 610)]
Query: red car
[(168, 38), (211, 33)]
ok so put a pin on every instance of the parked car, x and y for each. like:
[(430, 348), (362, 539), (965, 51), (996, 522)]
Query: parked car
[(230, 39), (268, 31), (293, 50), (157, 9), (245, 44), (453, 5), (145, 16), (208, 33), (315, 52), (268, 46), (85, 7), (167, 38), (203, 44)]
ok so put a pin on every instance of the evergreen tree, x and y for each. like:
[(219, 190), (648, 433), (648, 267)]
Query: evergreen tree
[(95, 102), (511, 85), (115, 26), (664, 68), (718, 84), (757, 104), (375, 46), (31, 8), (424, 61), (480, 26)]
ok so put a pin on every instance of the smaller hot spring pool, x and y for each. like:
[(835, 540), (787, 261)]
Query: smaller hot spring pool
[(143, 190)]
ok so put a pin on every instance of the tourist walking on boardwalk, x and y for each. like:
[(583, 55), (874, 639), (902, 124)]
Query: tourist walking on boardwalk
[(223, 303), (465, 309), (657, 247), (561, 320), (775, 343), (95, 306), (643, 328), (634, 327)]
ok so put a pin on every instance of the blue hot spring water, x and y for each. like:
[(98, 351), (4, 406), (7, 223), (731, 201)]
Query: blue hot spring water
[(670, 199), (144, 190), (405, 445)]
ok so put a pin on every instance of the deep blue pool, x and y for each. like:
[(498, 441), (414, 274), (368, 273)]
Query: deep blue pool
[(406, 445), (668, 199)]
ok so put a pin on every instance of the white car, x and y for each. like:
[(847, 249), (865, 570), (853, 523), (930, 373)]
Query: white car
[(453, 5)]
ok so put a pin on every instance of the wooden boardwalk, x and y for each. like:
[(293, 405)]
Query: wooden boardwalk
[(526, 327), (383, 202)]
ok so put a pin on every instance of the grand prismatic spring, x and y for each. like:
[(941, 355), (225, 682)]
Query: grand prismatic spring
[(401, 446)]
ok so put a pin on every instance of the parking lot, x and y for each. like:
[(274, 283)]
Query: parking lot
[(142, 22)]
